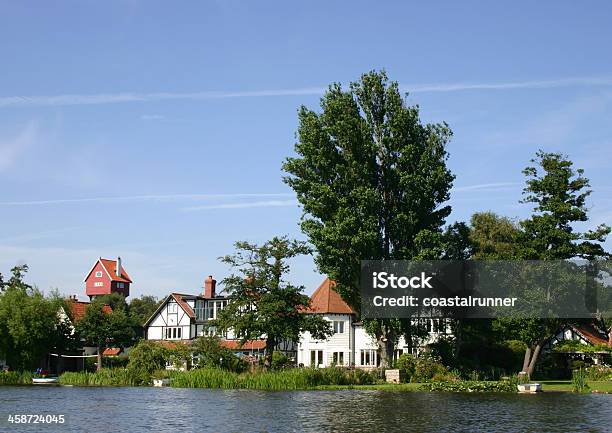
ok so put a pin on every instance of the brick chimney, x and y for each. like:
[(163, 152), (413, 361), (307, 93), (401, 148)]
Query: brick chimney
[(209, 287)]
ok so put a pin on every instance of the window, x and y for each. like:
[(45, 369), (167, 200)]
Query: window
[(172, 307), (98, 274), (120, 285), (338, 327), (368, 357), (338, 358), (210, 311), (173, 333), (98, 284), (316, 358)]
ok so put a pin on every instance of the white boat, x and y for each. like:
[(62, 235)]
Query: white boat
[(44, 380)]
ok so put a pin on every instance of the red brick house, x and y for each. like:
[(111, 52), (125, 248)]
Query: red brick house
[(106, 277)]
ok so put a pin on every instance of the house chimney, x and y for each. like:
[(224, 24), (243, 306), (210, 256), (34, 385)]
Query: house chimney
[(118, 272), (209, 287)]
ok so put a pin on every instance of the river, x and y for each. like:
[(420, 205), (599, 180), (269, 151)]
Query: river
[(204, 410)]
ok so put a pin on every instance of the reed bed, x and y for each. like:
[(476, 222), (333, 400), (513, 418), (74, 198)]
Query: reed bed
[(290, 379), (15, 378), (106, 377)]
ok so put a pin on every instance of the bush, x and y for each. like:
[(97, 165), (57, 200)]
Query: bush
[(210, 354), (426, 368), (280, 361), (147, 356), (470, 386), (407, 363), (599, 372)]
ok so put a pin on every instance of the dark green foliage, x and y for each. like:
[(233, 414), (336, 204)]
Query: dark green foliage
[(372, 181), (210, 354), (262, 302), (29, 322), (470, 386), (148, 356), (280, 361)]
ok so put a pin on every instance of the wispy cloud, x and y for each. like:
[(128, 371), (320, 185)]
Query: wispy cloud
[(243, 205), (137, 198), (11, 148), (497, 186), (117, 98)]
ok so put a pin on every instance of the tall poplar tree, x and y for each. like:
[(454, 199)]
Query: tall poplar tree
[(372, 180)]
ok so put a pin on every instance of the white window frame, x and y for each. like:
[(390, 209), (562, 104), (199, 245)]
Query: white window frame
[(99, 284), (98, 274), (338, 326)]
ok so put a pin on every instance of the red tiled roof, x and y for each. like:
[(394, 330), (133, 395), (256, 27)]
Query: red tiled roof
[(593, 336), (111, 268), (326, 300), (78, 309), (249, 345), (111, 351), (184, 305)]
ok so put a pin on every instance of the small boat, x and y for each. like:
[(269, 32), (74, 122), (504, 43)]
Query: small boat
[(45, 380)]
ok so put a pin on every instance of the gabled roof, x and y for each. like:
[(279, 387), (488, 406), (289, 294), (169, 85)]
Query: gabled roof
[(110, 266), (590, 334), (111, 351), (78, 309), (326, 300), (178, 297)]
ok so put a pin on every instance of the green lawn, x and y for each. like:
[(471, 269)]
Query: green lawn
[(566, 385)]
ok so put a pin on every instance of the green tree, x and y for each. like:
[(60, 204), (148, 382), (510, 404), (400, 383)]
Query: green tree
[(29, 321), (559, 194), (493, 237), (103, 328), (372, 181), (261, 301), (140, 309)]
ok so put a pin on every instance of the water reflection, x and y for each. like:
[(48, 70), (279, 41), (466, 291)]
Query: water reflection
[(199, 410)]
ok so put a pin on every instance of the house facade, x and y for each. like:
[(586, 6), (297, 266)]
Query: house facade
[(105, 277), (350, 344), (183, 318)]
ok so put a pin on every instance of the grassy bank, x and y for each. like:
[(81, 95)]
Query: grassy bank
[(566, 385), (105, 377)]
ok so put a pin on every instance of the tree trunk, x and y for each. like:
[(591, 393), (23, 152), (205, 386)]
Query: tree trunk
[(526, 359), (531, 357), (270, 344), (385, 350), (99, 367)]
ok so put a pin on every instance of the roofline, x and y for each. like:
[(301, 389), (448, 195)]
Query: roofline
[(164, 301)]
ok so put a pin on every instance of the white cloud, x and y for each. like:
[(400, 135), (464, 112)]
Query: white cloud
[(268, 203), (497, 186), (116, 98), (139, 198), (12, 148)]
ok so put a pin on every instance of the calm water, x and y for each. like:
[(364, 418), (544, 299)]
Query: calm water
[(201, 410)]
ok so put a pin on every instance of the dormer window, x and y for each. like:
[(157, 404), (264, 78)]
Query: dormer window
[(98, 274)]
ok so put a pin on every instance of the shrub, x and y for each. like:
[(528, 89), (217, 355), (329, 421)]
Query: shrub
[(599, 372), (407, 363), (147, 356), (280, 360), (426, 367), (107, 377), (470, 386), (209, 353)]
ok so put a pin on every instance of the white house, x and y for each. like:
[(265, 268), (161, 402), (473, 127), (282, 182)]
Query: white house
[(350, 345), (182, 318)]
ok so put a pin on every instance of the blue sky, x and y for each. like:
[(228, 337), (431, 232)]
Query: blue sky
[(157, 132)]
